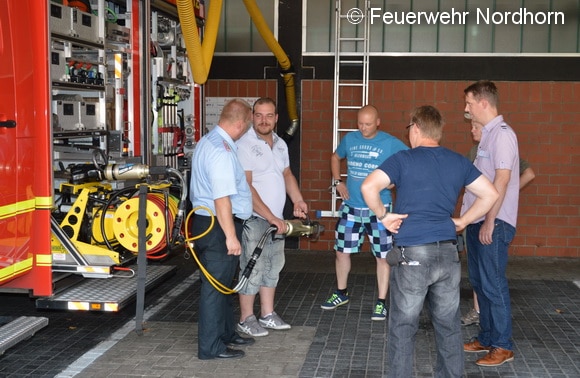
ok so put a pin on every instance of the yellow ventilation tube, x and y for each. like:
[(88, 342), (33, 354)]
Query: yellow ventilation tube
[(200, 54), (285, 65)]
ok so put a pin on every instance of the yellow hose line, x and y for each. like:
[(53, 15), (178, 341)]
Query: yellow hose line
[(290, 97), (189, 243), (277, 50), (200, 54), (266, 34)]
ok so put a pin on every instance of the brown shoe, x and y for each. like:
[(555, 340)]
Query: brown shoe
[(496, 357), (475, 346)]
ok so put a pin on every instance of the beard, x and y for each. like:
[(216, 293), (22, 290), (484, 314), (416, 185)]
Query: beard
[(264, 128)]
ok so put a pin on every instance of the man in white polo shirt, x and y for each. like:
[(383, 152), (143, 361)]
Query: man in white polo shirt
[(264, 157)]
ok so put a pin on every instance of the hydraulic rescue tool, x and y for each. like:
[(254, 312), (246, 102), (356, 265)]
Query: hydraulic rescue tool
[(294, 228)]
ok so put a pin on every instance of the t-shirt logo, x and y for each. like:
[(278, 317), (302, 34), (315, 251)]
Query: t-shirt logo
[(257, 151)]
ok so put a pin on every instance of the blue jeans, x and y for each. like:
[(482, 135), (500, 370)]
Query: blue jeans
[(437, 280), (487, 273), (216, 324)]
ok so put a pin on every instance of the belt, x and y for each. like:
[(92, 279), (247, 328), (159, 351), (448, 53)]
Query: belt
[(236, 219), (437, 243)]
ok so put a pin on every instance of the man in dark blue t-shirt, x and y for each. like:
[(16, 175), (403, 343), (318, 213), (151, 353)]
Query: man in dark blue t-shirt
[(428, 180)]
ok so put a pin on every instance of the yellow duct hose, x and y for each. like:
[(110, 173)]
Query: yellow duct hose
[(266, 34), (200, 54), (282, 58)]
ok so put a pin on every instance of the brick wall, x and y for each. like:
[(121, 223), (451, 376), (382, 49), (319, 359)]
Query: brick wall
[(545, 116)]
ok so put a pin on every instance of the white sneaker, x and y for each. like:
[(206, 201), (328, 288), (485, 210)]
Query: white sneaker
[(472, 317), (251, 327), (274, 321)]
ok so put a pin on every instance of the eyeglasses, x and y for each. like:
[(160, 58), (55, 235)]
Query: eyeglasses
[(409, 125)]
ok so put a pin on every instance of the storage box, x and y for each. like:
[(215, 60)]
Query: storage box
[(67, 109), (60, 19), (58, 66), (89, 113), (85, 26)]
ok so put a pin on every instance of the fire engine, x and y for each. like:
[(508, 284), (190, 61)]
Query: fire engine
[(100, 110), (98, 118)]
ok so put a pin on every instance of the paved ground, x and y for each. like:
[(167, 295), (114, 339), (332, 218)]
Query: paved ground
[(340, 343)]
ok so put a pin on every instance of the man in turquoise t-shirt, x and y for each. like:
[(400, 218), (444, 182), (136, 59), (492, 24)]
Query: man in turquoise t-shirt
[(364, 151)]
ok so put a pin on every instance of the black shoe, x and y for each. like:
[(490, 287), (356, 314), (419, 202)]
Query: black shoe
[(239, 341), (231, 353)]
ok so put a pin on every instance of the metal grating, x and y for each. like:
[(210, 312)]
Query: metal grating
[(97, 294), (20, 329)]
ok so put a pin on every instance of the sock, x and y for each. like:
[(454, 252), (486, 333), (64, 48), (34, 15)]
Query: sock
[(381, 300), (342, 291)]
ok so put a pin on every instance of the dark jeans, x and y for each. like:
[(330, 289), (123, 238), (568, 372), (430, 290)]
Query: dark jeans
[(436, 279), (216, 324), (487, 273)]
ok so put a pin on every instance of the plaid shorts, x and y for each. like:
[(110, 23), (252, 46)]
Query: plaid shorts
[(351, 227)]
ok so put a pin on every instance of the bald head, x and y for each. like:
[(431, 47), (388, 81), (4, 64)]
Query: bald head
[(235, 117), (369, 109), (368, 121), (235, 110)]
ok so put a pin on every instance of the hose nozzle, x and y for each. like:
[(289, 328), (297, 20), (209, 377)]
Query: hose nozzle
[(297, 227)]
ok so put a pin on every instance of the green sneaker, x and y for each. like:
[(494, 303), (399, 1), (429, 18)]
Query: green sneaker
[(335, 300), (380, 312)]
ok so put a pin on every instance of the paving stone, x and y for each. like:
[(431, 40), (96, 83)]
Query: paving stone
[(339, 343)]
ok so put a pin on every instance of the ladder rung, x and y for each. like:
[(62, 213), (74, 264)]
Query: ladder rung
[(351, 84), (347, 16), (348, 107), (351, 62), (351, 39)]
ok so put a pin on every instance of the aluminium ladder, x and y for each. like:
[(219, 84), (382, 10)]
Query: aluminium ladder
[(351, 74)]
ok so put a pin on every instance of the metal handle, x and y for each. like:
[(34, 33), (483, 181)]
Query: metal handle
[(10, 124)]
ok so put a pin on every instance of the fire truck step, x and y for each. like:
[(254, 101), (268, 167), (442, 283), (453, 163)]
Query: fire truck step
[(20, 329), (104, 294)]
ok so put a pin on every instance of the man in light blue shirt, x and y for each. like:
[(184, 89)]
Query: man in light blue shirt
[(489, 237), (218, 183)]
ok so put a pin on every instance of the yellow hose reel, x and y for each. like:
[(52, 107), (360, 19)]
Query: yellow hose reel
[(125, 218)]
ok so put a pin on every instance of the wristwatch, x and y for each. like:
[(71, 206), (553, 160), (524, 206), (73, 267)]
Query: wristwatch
[(336, 182)]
